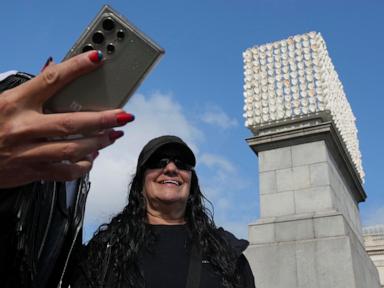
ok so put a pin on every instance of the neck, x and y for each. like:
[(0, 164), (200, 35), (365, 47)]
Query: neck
[(164, 219)]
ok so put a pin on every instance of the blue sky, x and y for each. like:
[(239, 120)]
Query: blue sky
[(196, 90)]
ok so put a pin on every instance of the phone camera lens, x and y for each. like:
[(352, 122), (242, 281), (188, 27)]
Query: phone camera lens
[(110, 48), (87, 48), (120, 34), (98, 37), (108, 24)]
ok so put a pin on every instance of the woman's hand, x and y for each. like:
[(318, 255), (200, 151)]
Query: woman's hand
[(36, 146)]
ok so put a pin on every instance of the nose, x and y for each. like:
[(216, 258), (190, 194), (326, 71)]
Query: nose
[(170, 168)]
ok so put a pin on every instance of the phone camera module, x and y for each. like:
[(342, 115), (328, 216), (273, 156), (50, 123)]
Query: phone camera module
[(111, 48), (120, 35), (108, 24), (87, 48), (98, 37)]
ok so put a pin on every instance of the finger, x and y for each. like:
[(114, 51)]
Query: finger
[(56, 76), (86, 123), (66, 150), (9, 178), (65, 171), (33, 125), (47, 63), (60, 171)]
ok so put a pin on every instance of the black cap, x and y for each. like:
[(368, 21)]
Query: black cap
[(155, 144)]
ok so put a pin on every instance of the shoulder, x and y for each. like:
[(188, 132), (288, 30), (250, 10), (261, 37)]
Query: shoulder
[(6, 74), (239, 245), (243, 267)]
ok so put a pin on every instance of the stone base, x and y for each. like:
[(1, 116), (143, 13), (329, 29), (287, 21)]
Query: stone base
[(309, 251)]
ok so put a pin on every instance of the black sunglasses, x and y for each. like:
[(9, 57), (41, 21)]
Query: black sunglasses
[(162, 162)]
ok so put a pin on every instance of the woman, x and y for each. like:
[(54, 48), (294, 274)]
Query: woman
[(164, 237)]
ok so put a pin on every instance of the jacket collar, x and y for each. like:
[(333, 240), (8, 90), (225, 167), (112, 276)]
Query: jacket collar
[(239, 245), (7, 74)]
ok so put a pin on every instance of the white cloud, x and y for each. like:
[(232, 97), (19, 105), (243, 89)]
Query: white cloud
[(216, 161), (223, 203), (224, 174), (214, 115)]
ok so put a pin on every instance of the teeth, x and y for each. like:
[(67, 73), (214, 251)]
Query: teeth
[(171, 182)]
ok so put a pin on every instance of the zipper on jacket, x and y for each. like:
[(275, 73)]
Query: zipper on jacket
[(67, 259), (106, 264), (49, 220), (81, 192)]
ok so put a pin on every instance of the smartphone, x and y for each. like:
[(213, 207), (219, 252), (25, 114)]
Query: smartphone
[(129, 56)]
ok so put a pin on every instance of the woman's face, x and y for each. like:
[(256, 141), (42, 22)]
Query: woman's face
[(167, 187)]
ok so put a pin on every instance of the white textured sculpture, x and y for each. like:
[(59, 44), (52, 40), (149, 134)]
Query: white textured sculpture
[(295, 79)]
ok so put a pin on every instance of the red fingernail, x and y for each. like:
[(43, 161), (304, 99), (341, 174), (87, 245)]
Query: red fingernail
[(95, 154), (49, 60), (95, 56), (123, 118), (113, 135)]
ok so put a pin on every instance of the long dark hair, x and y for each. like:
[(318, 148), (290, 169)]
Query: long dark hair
[(127, 234)]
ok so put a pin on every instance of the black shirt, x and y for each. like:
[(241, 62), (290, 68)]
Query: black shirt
[(166, 264)]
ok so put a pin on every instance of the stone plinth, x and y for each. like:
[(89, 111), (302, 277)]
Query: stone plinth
[(309, 233), (374, 245)]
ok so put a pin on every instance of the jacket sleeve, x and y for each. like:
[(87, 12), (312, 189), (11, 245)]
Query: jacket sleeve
[(246, 276)]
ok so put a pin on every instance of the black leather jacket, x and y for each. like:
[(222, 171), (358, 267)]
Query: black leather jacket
[(40, 226)]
